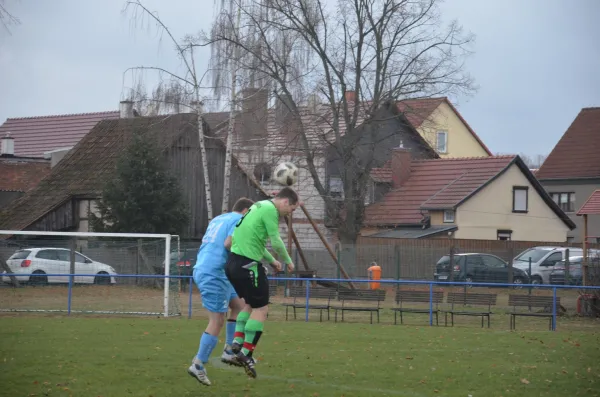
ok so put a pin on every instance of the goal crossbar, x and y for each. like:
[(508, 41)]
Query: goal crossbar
[(166, 237)]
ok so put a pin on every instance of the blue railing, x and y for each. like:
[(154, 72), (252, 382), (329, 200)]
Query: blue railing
[(431, 285)]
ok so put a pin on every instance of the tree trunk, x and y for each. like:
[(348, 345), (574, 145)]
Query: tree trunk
[(229, 147), (207, 190)]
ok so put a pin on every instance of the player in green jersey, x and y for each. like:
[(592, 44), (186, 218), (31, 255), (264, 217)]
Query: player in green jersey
[(246, 273)]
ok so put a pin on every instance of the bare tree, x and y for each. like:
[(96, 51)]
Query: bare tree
[(6, 18), (380, 50), (190, 79), (226, 57)]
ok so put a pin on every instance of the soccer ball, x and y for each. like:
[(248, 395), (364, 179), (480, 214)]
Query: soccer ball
[(286, 173)]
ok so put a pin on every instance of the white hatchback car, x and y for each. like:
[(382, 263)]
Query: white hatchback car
[(47, 265)]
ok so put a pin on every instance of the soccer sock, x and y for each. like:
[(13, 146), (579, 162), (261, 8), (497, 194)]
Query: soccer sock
[(230, 331), (253, 332), (207, 344), (240, 326)]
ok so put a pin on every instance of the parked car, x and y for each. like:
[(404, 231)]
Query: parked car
[(476, 267), (182, 264), (48, 265), (543, 260), (558, 276)]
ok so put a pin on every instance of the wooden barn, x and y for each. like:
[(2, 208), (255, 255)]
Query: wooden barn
[(63, 199)]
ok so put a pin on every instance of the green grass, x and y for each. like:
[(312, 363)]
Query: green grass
[(110, 357)]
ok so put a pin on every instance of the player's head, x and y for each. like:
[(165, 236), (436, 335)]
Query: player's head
[(286, 201), (242, 205)]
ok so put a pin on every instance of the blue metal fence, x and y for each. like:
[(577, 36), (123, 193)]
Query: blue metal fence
[(307, 282)]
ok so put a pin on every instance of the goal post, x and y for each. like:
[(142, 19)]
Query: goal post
[(49, 258)]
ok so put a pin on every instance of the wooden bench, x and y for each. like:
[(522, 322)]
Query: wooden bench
[(376, 296), (406, 296), (298, 293), (474, 299), (531, 301)]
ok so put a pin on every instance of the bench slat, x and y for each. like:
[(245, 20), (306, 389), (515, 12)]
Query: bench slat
[(531, 301), (418, 296)]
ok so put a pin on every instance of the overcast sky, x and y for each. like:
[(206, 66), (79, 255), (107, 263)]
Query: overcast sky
[(537, 62)]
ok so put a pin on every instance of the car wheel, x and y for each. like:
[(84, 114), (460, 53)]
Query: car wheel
[(536, 281), (38, 278), (518, 281), (469, 281), (102, 280)]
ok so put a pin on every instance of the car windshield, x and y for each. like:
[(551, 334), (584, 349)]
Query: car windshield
[(20, 254), (534, 254)]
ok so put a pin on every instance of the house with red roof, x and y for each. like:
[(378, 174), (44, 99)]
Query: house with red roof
[(35, 136), (490, 198), (571, 172)]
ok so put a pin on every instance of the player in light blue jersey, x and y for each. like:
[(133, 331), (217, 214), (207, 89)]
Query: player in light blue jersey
[(217, 293)]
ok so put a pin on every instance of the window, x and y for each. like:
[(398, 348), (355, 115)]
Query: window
[(552, 259), (520, 198), (566, 201), (47, 254), (78, 258), (448, 216), (492, 261), (442, 142), (504, 235), (336, 188)]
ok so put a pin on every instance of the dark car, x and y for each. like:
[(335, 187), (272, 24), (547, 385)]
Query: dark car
[(477, 268), (574, 276)]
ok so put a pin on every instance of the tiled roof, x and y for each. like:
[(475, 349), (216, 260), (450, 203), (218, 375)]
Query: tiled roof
[(85, 169), (436, 183), (36, 135), (381, 175), (414, 232), (445, 184), (576, 155), (591, 205), (419, 110), (18, 175)]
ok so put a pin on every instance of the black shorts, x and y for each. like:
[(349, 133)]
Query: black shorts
[(249, 280)]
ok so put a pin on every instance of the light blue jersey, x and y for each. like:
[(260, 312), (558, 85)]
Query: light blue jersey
[(212, 255)]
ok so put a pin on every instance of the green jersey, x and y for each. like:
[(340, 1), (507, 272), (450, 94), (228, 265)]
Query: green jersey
[(251, 233)]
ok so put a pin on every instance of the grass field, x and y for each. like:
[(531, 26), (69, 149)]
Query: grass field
[(42, 355)]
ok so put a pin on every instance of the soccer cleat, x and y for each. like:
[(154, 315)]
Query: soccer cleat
[(236, 347), (197, 370), (247, 363), (228, 357)]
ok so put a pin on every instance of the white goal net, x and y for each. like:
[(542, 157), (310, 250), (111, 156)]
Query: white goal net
[(95, 273)]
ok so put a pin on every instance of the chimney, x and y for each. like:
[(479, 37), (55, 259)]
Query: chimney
[(8, 146), (350, 96), (401, 161), (282, 107), (255, 106), (126, 109)]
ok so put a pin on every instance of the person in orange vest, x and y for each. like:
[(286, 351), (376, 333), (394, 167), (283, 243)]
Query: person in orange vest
[(374, 273)]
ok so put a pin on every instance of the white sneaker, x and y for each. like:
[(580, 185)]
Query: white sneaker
[(198, 371)]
